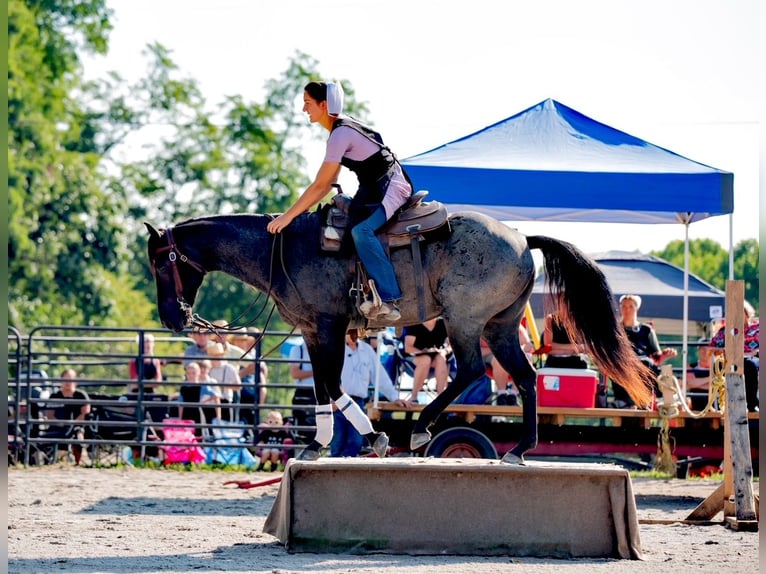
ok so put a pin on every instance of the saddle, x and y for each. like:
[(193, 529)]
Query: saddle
[(415, 221), (417, 218)]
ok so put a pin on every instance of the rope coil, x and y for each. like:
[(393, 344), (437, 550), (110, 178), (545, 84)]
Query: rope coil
[(671, 393)]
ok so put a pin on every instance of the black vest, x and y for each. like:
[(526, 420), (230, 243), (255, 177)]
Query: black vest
[(374, 173)]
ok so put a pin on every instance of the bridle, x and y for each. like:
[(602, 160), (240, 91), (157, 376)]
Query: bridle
[(174, 255)]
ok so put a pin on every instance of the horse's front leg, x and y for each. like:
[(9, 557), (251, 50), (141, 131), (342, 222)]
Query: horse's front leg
[(326, 348)]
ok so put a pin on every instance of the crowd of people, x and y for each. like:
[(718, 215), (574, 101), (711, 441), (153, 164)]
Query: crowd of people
[(224, 382)]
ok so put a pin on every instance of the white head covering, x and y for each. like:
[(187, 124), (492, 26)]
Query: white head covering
[(334, 98), (635, 298)]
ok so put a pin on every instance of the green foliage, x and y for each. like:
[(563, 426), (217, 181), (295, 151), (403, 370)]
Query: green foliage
[(710, 262), (64, 230), (80, 185)]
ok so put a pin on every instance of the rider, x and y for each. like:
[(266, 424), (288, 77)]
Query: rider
[(383, 189)]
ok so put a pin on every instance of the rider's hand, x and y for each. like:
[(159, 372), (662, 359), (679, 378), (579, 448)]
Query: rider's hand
[(278, 224)]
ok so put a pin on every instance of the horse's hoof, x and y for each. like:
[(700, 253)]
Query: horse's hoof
[(418, 439), (380, 446), (311, 452), (511, 458)]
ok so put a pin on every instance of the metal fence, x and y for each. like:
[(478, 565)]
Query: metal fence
[(129, 416)]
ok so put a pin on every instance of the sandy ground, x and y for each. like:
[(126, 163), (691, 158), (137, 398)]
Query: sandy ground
[(70, 519)]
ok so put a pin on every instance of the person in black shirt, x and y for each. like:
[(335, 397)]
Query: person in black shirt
[(70, 405), (645, 343)]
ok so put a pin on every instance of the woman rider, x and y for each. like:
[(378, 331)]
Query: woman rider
[(383, 188)]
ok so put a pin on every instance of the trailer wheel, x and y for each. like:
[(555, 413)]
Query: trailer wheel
[(461, 442)]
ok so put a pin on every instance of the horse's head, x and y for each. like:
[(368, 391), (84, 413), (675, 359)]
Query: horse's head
[(177, 276)]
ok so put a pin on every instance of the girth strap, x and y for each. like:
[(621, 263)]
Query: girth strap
[(414, 232)]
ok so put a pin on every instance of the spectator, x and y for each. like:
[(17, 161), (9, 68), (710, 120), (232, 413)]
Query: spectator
[(360, 369), (151, 367), (428, 347), (227, 377), (562, 352), (74, 407), (191, 392), (505, 390), (302, 374), (752, 354), (253, 392), (210, 392), (645, 344), (698, 379), (273, 436), (198, 349)]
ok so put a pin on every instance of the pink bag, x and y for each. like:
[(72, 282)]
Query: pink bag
[(181, 431)]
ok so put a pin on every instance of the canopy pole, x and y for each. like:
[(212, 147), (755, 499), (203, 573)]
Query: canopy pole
[(685, 346)]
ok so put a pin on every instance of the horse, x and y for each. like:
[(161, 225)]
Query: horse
[(478, 278)]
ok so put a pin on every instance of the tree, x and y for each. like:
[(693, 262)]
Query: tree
[(710, 261), (65, 235), (243, 157)]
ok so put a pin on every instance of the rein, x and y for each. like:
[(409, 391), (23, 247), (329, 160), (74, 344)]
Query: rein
[(175, 255)]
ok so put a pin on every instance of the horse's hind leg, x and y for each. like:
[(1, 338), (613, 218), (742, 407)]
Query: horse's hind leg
[(465, 345), (503, 339)]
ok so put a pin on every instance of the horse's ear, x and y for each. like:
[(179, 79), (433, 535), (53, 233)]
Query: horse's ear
[(152, 231)]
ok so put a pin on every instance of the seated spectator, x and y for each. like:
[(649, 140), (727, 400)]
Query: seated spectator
[(698, 379), (505, 391), (210, 392), (272, 435), (302, 374), (150, 367), (563, 353), (253, 392), (752, 354), (198, 349), (73, 408), (191, 392), (429, 348), (645, 344), (227, 378)]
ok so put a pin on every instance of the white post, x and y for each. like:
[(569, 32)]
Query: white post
[(685, 345)]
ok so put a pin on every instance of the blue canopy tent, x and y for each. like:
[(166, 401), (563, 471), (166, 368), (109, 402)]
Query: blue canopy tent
[(552, 163)]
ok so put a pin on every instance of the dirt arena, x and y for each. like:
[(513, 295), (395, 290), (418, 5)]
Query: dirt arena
[(70, 519)]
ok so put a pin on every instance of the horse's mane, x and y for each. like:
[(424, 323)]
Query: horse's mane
[(304, 223)]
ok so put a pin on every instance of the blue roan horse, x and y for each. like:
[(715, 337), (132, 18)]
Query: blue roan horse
[(478, 279)]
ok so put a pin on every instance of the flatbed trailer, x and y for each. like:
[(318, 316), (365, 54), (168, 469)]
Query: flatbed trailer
[(627, 435)]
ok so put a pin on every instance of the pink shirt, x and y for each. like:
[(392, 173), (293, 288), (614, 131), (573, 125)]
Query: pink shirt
[(347, 142)]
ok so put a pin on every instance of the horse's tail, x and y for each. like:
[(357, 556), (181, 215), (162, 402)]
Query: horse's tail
[(586, 309)]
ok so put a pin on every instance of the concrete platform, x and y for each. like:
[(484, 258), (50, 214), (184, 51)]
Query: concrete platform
[(456, 506)]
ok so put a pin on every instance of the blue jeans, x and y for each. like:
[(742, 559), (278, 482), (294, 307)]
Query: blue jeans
[(346, 440), (374, 257)]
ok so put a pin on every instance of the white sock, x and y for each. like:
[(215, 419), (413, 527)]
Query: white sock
[(324, 424), (354, 414)]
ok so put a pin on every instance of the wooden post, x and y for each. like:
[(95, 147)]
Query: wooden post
[(735, 495), (740, 478)]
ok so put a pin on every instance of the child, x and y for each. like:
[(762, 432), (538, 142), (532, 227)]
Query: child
[(273, 436)]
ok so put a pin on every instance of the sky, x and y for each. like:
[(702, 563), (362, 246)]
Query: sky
[(681, 74)]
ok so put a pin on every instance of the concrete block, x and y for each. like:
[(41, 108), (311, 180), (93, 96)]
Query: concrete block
[(456, 506)]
